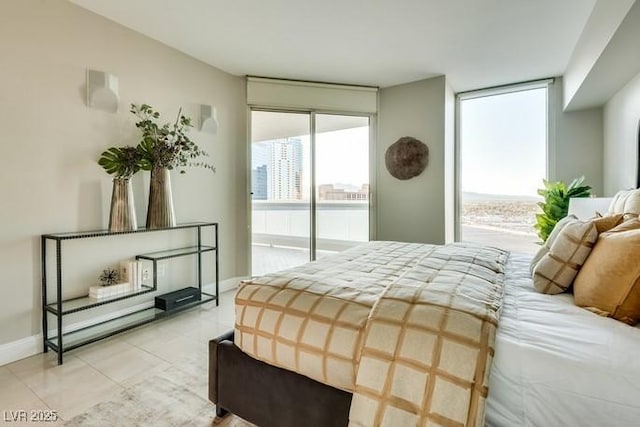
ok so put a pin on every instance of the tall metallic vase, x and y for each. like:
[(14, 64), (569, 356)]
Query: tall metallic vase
[(122, 216), (160, 213)]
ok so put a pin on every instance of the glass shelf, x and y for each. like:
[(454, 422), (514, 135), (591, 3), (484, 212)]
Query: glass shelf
[(111, 327), (98, 233), (82, 303), (99, 331), (172, 253)]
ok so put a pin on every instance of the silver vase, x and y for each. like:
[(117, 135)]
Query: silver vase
[(122, 216), (160, 213)]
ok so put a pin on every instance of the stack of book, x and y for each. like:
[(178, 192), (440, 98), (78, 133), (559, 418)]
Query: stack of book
[(130, 274), (111, 291), (131, 271)]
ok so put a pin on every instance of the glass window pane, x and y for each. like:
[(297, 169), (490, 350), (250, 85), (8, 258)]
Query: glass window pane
[(280, 198), (342, 182), (503, 163)]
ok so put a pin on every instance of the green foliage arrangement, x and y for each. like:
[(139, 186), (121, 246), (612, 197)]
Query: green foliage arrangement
[(556, 203), (123, 162), (166, 146)]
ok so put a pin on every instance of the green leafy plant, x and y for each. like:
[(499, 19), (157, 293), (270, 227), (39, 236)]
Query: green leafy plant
[(123, 162), (168, 145), (556, 203)]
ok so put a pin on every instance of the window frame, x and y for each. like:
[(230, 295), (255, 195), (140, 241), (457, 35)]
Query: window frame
[(492, 91)]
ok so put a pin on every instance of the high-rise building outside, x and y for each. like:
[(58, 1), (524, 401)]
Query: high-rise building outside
[(284, 174), (330, 192), (259, 183), (276, 169)]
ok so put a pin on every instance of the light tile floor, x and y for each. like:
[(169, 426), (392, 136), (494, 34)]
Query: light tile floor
[(97, 372)]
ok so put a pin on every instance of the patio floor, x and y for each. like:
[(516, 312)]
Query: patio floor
[(512, 241)]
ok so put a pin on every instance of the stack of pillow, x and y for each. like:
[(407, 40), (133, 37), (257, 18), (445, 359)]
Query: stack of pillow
[(600, 257)]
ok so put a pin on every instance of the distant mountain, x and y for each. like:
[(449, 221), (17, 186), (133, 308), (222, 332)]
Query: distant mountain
[(470, 196)]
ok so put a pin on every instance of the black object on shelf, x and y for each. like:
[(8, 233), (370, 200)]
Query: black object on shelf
[(172, 300), (190, 297)]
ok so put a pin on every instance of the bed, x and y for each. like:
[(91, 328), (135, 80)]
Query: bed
[(557, 364), (553, 363)]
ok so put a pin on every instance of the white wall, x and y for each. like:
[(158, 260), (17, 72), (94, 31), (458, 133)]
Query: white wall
[(596, 35), (50, 143), (412, 210), (575, 142), (603, 70), (621, 116), (420, 209)]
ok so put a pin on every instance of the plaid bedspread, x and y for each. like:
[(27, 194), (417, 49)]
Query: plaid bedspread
[(408, 328)]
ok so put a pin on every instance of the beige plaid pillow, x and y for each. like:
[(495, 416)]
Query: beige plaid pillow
[(544, 249), (556, 269)]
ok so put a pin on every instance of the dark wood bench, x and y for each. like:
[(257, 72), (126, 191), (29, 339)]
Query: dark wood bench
[(269, 396)]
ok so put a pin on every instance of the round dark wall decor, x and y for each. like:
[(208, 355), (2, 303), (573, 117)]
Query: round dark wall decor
[(406, 158)]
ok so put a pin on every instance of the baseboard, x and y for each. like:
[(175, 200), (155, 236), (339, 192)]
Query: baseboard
[(225, 285), (29, 346), (19, 349)]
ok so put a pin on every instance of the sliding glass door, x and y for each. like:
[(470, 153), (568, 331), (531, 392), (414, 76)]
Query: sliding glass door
[(280, 196), (342, 182), (309, 186)]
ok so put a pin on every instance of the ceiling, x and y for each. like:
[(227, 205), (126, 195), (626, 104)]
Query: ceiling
[(475, 43)]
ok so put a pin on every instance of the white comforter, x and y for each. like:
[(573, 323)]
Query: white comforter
[(556, 364)]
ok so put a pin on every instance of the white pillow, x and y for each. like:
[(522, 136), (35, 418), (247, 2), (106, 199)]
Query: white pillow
[(625, 202)]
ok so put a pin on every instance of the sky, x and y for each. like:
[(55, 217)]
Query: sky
[(503, 143), (343, 157), (503, 147)]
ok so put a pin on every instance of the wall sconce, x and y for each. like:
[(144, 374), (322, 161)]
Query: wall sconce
[(208, 119), (102, 91)]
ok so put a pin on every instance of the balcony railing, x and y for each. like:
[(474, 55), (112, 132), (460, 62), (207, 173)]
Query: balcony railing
[(341, 224)]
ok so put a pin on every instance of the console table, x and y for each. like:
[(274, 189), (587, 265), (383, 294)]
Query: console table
[(62, 341)]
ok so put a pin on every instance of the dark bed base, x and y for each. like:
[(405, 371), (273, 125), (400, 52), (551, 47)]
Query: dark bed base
[(269, 396)]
